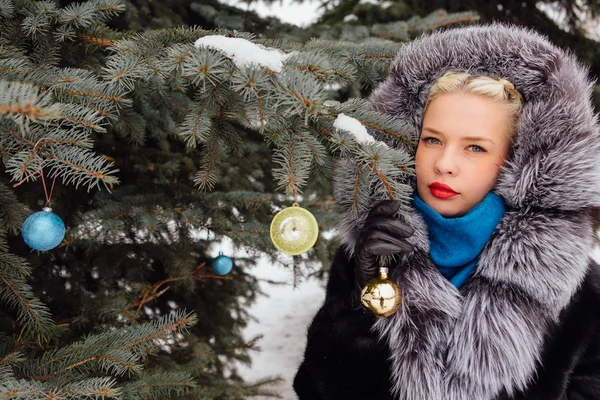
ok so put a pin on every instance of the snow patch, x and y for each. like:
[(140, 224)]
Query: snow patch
[(243, 52), (350, 17), (353, 126), (293, 12), (589, 24), (282, 315), (332, 86)]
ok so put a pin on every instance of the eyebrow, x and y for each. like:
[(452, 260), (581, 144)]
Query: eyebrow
[(469, 138)]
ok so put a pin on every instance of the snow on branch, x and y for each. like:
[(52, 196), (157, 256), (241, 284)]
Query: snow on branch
[(353, 126), (243, 52)]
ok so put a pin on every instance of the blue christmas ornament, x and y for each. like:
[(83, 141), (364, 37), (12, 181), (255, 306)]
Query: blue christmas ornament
[(222, 264), (43, 230)]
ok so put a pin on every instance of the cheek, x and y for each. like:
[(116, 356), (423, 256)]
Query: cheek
[(488, 172), (419, 159)]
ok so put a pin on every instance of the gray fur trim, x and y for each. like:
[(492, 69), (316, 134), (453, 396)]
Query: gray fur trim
[(488, 337)]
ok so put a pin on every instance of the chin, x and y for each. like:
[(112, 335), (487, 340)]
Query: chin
[(453, 214), (445, 209), (450, 214)]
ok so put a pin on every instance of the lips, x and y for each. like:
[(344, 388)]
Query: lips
[(441, 191)]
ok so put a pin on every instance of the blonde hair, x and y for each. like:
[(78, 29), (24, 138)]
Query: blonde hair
[(499, 90)]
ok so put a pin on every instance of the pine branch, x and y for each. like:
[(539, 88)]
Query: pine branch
[(37, 24), (103, 97), (299, 95), (33, 316), (206, 177), (12, 212), (206, 67), (160, 385), (126, 71), (25, 102), (132, 127), (96, 40), (317, 150), (294, 159), (7, 9), (81, 167), (14, 69), (196, 126), (246, 81), (296, 91), (5, 374), (116, 352), (73, 164), (322, 66), (22, 390), (82, 15), (76, 116), (93, 388)]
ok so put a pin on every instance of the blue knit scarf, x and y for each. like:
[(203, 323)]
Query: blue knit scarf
[(455, 243)]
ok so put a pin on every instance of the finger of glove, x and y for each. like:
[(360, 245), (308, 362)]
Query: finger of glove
[(385, 207), (381, 243), (390, 225)]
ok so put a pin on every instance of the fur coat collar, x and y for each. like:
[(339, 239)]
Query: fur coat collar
[(487, 337)]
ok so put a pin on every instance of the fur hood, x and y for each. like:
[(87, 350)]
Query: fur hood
[(487, 337)]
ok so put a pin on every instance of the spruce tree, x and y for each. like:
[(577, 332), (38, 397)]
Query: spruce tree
[(576, 16), (153, 145)]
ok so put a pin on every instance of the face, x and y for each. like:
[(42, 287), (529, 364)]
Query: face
[(464, 141)]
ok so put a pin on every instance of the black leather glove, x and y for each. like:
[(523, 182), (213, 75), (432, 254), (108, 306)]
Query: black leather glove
[(383, 234)]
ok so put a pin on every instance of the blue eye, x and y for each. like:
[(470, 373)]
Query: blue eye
[(474, 147), (479, 148), (430, 139)]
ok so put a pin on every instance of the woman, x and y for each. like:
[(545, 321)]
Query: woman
[(500, 297)]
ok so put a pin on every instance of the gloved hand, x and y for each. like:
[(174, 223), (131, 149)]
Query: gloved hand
[(383, 234)]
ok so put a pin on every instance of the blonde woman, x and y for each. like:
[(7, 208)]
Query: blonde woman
[(501, 299)]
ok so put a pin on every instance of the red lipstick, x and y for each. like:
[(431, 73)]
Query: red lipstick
[(441, 191)]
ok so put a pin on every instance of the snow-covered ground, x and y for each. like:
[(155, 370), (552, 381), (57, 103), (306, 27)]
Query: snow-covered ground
[(282, 317)]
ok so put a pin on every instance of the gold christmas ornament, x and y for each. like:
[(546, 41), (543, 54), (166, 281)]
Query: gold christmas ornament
[(294, 230), (381, 296)]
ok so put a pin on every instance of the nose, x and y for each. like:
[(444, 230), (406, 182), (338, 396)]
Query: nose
[(446, 164)]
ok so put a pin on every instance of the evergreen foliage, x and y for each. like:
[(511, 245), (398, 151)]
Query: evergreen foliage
[(158, 149)]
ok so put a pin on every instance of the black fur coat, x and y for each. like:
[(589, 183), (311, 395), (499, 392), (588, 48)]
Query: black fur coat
[(526, 325), (345, 361)]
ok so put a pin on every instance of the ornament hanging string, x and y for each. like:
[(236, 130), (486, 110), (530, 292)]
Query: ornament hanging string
[(48, 196), (40, 172)]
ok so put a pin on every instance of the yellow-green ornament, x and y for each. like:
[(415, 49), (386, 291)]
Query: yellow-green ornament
[(294, 230)]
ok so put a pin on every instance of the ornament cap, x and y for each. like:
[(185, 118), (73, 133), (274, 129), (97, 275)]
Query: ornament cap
[(383, 272), (47, 209)]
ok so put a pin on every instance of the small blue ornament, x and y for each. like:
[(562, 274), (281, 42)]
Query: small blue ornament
[(43, 230), (222, 264)]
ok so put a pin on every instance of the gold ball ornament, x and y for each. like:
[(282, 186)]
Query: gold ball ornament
[(294, 230), (381, 296)]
